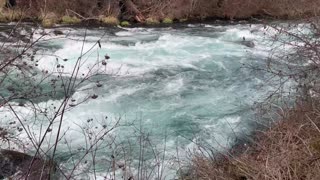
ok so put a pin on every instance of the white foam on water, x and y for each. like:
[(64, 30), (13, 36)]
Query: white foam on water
[(190, 86)]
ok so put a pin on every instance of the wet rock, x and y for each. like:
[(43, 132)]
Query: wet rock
[(15, 165), (57, 32), (249, 44)]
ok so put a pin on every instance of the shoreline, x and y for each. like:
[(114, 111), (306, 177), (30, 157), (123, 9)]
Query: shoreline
[(174, 24)]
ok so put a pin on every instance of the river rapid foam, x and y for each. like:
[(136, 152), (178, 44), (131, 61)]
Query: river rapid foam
[(180, 86)]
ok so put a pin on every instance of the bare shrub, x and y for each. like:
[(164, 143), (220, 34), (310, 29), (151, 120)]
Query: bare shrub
[(287, 150)]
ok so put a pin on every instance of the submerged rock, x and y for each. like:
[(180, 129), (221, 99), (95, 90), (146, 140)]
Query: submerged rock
[(15, 165), (57, 32), (249, 44)]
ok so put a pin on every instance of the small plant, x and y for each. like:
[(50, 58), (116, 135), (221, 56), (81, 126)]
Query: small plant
[(110, 20), (125, 23), (70, 20), (151, 21), (167, 21)]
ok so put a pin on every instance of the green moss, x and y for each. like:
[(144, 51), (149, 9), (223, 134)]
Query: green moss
[(167, 21), (151, 21), (110, 20), (70, 20), (125, 23)]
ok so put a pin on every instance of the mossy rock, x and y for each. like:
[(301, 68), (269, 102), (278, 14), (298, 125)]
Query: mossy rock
[(167, 21), (110, 20), (125, 23), (152, 21), (70, 20)]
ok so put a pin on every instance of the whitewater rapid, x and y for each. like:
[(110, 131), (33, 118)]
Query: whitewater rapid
[(178, 85)]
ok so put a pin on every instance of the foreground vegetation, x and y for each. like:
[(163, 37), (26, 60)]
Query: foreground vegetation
[(288, 149)]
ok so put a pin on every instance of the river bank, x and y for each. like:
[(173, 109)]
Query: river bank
[(128, 12), (286, 149)]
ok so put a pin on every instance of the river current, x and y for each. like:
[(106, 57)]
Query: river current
[(177, 86)]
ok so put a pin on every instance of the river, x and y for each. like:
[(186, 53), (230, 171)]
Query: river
[(177, 87)]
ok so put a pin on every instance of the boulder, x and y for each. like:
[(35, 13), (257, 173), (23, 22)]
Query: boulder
[(249, 44), (15, 165)]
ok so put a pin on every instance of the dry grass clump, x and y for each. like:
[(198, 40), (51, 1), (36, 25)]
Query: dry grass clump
[(152, 21), (109, 20), (9, 15), (70, 20), (288, 150)]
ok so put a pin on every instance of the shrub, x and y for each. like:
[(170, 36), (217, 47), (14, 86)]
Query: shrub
[(110, 20), (2, 3), (125, 23), (47, 23), (3, 18), (167, 21), (70, 20), (151, 21), (11, 15), (48, 19)]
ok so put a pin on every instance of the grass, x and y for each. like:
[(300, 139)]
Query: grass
[(47, 23), (3, 18), (167, 21), (49, 19), (152, 21), (125, 23), (10, 15), (289, 149), (110, 20), (70, 20)]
